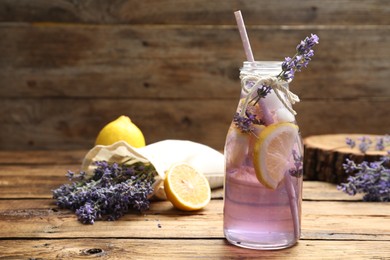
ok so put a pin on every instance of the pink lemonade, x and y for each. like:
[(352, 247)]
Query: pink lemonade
[(257, 217), (262, 195)]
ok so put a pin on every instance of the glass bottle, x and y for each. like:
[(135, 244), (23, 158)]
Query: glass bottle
[(263, 163)]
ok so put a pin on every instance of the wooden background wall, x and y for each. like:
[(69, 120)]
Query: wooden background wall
[(68, 67)]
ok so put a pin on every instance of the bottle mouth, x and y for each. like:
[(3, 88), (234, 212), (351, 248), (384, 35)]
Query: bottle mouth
[(271, 68), (260, 64)]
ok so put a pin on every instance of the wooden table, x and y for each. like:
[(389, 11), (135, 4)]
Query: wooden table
[(334, 225)]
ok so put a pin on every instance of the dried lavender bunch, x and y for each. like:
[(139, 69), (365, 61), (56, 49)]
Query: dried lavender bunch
[(371, 178), (112, 190)]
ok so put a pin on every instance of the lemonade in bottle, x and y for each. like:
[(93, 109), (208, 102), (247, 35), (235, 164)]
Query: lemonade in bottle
[(264, 153)]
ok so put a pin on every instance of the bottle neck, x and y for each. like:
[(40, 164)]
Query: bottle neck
[(261, 68), (260, 78), (253, 72)]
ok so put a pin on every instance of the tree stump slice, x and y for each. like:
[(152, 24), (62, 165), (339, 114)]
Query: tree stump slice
[(326, 154)]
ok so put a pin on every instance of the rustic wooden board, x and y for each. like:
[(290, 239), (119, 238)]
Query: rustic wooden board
[(33, 174), (67, 69), (61, 83), (185, 249), (198, 12), (62, 61), (42, 157), (318, 191), (326, 154), (41, 219), (48, 124)]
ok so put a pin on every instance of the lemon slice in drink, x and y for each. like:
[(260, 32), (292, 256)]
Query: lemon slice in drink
[(186, 188), (272, 152)]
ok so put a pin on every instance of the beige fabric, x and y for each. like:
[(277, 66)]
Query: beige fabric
[(162, 155)]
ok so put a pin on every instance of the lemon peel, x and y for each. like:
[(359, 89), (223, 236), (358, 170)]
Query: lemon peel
[(121, 129)]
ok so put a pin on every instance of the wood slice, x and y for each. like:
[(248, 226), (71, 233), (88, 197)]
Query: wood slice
[(326, 154)]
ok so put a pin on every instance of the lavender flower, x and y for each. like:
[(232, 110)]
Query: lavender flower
[(372, 179), (86, 214), (301, 58), (262, 92), (382, 142), (109, 193), (308, 43), (245, 123), (351, 143), (365, 144), (297, 171)]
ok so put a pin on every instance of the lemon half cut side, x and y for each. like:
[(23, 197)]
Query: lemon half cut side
[(186, 188), (272, 152)]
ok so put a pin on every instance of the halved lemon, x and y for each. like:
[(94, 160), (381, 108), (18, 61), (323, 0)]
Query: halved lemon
[(186, 188), (272, 152)]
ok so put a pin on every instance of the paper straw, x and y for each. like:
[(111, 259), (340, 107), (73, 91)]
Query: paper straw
[(244, 36), (293, 200)]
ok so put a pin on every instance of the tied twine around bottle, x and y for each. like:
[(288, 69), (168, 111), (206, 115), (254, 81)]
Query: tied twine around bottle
[(275, 83)]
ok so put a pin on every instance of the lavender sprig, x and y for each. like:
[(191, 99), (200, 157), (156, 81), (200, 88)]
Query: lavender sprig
[(350, 142), (372, 179), (297, 170), (261, 92), (365, 144), (245, 123), (109, 193), (300, 59)]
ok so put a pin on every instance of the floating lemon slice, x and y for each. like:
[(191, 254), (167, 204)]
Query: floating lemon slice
[(186, 188), (272, 152)]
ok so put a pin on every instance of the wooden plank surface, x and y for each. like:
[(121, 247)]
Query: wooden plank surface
[(334, 225), (185, 249), (37, 182), (197, 12), (41, 219), (46, 123), (42, 157), (198, 62), (33, 174)]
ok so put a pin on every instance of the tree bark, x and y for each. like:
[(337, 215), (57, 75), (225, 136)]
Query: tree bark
[(326, 154)]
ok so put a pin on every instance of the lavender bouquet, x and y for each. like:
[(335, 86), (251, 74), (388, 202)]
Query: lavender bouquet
[(113, 190)]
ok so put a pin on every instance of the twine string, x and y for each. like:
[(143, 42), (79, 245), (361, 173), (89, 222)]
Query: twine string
[(276, 84)]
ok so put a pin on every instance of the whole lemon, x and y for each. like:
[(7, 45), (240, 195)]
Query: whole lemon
[(121, 129)]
